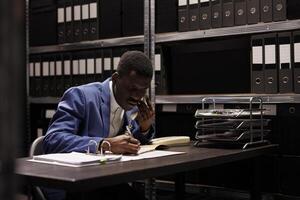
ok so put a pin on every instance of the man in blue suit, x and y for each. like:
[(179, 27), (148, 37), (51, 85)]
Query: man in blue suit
[(101, 112)]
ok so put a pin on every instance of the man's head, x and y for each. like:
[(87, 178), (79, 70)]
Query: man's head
[(132, 79)]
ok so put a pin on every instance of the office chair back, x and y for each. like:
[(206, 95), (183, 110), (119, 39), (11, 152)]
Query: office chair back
[(36, 148)]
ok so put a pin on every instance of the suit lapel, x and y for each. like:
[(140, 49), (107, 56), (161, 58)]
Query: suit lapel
[(105, 107)]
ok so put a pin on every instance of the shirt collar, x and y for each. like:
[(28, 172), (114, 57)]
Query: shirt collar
[(113, 103)]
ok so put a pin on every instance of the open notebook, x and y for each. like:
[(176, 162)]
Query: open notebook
[(164, 143), (75, 159)]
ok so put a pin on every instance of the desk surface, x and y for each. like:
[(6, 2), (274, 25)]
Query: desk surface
[(92, 177)]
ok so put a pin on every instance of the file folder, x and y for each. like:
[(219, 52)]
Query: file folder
[(77, 20), (266, 10), (93, 20), (216, 12), (193, 15), (61, 21), (296, 60), (240, 11), (110, 18), (99, 66), (67, 61), (59, 75), (75, 71), (271, 80), (183, 17), (253, 11), (205, 14), (85, 25), (69, 21), (257, 69), (285, 64), (81, 77), (228, 13), (279, 10)]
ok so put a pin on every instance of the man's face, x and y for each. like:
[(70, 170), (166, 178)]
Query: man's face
[(129, 89)]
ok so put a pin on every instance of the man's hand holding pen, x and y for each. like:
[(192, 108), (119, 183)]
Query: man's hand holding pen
[(122, 144), (146, 114)]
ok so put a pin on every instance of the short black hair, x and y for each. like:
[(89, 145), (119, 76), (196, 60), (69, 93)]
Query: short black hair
[(135, 61)]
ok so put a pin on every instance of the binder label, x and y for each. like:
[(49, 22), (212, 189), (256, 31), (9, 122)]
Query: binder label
[(31, 69), (98, 66), (58, 68), (203, 1), (52, 68), (67, 67), (270, 54), (68, 14), (75, 67), (45, 68), (93, 10), (193, 2), (257, 55), (85, 11), (90, 66), (77, 13), (82, 66), (182, 2), (60, 15), (157, 62), (285, 53), (37, 69), (107, 64), (297, 52), (116, 62)]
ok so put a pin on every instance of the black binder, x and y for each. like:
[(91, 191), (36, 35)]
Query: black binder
[(285, 64), (253, 11), (165, 16), (38, 81), (257, 68), (160, 74), (45, 67), (67, 70), (42, 20), (183, 16), (193, 15), (270, 64), (279, 10), (133, 17), (77, 20), (69, 21), (52, 78), (296, 60), (32, 60), (240, 12), (61, 28), (293, 7), (93, 20), (85, 25), (80, 78), (205, 14), (216, 13), (266, 10), (98, 66), (228, 13), (110, 18), (59, 77)]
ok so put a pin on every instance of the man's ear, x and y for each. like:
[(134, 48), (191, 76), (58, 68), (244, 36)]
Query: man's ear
[(115, 76)]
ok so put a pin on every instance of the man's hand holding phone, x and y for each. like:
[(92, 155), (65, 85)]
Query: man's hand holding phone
[(146, 114)]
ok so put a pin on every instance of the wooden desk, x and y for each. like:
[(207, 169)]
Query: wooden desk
[(87, 178)]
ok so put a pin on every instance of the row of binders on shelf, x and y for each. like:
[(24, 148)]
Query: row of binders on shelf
[(206, 14), (276, 63), (52, 74), (67, 21)]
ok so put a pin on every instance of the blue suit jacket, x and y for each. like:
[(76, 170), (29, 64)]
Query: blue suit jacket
[(82, 115)]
